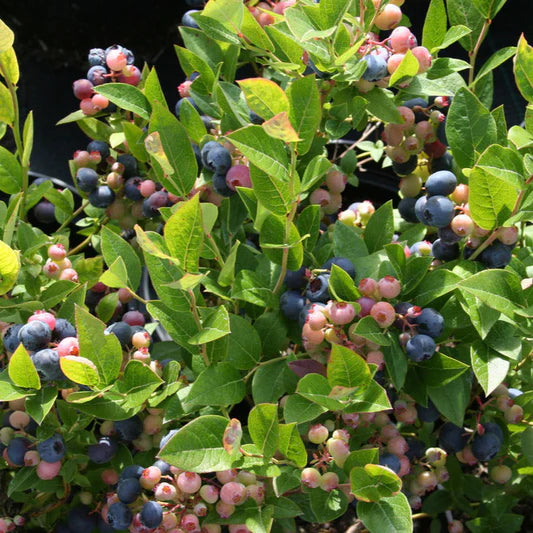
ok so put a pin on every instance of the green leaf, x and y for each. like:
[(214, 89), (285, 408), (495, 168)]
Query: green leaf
[(135, 137), (380, 228), (454, 34), (8, 58), (314, 172), (494, 184), (40, 404), (254, 32), (191, 62), (244, 350), (328, 506), (9, 267), (137, 384), (348, 243), (22, 371), (103, 350), (371, 483), (389, 515), (7, 37), (317, 389), (271, 192), (215, 29), (6, 105), (346, 368), (272, 381), (451, 399), (440, 370), (80, 370), (305, 110), (177, 149), (308, 223), (382, 106), (368, 328), (291, 444), (9, 391), (470, 128), (251, 287), (434, 25), (272, 241), (220, 384), (184, 234), (215, 324), (504, 337), (268, 154), (395, 361), (465, 13), (298, 409), (342, 286), (489, 8), (192, 121), (127, 97), (116, 276), (228, 12), (263, 426), (523, 69), (264, 97), (498, 289), (197, 446), (495, 60), (304, 24), (10, 172), (113, 246), (407, 69), (526, 439), (361, 458), (490, 369), (436, 284), (106, 307)]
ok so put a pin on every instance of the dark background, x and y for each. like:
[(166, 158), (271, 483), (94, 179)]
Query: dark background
[(52, 39)]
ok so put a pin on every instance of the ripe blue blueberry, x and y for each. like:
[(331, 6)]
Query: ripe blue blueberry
[(35, 335), (404, 169), (444, 251), (417, 448), (429, 413), (452, 438), (131, 471), (128, 490), (97, 57), (406, 208), (122, 332), (429, 322), (376, 67), (99, 146), (97, 75), (102, 196), (390, 461), (151, 514), (16, 449), (163, 466), (52, 449), (198, 156), (497, 255), (206, 148), (441, 183), (312, 68), (103, 451), (119, 516), (420, 347), (87, 179), (81, 519), (438, 211), (167, 437), (154, 202), (130, 428), (207, 122), (295, 279), (44, 212), (494, 428), (486, 446), (441, 133), (255, 118), (218, 160), (419, 208), (442, 163), (341, 262), (188, 21), (11, 338), (63, 330), (448, 236), (131, 168), (317, 291), (131, 189), (220, 185), (291, 303)]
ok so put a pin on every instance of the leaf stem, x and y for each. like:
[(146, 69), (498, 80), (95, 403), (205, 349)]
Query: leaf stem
[(473, 54), (84, 204), (368, 131)]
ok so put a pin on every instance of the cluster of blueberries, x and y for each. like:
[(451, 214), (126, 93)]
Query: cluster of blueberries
[(115, 63)]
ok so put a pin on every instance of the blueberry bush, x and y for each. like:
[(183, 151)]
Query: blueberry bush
[(220, 334)]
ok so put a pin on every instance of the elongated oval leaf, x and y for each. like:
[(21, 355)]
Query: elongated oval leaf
[(264, 428), (79, 369), (9, 267), (22, 371), (127, 97)]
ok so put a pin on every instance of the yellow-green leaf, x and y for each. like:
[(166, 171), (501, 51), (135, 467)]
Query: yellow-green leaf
[(22, 371), (279, 127), (6, 37), (523, 69), (79, 369), (9, 267), (265, 97)]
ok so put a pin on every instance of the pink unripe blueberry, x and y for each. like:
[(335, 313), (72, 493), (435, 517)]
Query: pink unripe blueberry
[(147, 188), (134, 318), (466, 456), (209, 493), (57, 252), (397, 445), (367, 304), (314, 337), (32, 458), (170, 520), (514, 414), (69, 274), (68, 346), (51, 269), (508, 235), (19, 520), (394, 62), (383, 313), (110, 476), (152, 424), (142, 355), (427, 480), (393, 133), (316, 320), (501, 474), (189, 522), (320, 197), (311, 478), (143, 442), (388, 432), (43, 316), (401, 39), (455, 526), (503, 402), (352, 421), (336, 181), (246, 478), (389, 17), (150, 477), (341, 313), (116, 60), (405, 465), (141, 339), (211, 528), (408, 416), (233, 493), (424, 58), (436, 456), (317, 434), (389, 287), (225, 476), (190, 482), (256, 492), (87, 107), (442, 474), (462, 225), (99, 101), (82, 89), (130, 75), (339, 450), (425, 131), (124, 296), (165, 492), (200, 509), (329, 481), (376, 357), (238, 176), (48, 470), (19, 419), (415, 502), (460, 195), (224, 510)]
